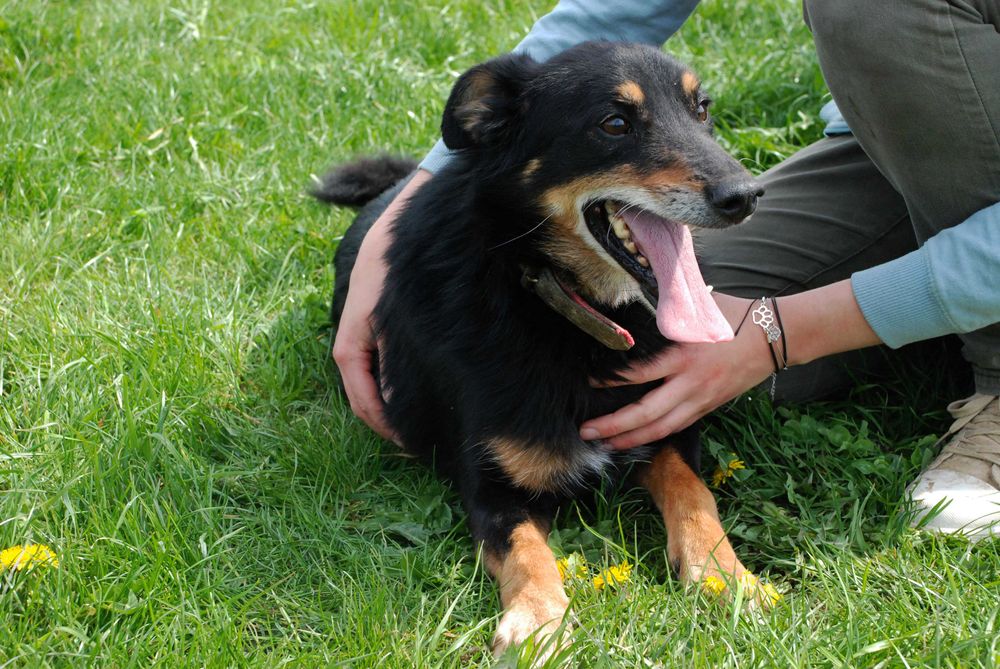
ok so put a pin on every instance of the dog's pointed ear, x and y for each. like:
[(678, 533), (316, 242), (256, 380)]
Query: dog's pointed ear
[(486, 101)]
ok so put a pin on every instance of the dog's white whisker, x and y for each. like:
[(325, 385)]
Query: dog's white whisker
[(525, 234)]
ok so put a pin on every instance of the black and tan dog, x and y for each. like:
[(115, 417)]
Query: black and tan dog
[(553, 251)]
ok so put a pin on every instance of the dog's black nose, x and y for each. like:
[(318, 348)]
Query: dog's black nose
[(735, 200)]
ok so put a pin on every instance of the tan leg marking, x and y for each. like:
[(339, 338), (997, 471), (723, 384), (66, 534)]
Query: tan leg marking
[(531, 590), (696, 543)]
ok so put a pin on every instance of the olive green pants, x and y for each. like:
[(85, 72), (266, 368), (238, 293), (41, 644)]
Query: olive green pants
[(918, 81)]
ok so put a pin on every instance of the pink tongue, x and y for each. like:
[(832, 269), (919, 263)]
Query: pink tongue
[(685, 311)]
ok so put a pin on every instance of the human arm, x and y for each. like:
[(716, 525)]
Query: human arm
[(946, 286), (697, 378), (949, 285), (355, 345)]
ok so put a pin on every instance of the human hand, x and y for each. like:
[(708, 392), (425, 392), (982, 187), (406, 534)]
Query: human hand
[(355, 347), (697, 378)]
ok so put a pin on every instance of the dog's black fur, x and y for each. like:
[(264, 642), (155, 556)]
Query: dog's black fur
[(470, 357), (360, 182)]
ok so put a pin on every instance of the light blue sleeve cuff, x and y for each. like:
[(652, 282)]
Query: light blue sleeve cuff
[(835, 123), (436, 158), (899, 300)]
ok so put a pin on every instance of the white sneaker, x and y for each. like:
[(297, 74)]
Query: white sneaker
[(964, 480)]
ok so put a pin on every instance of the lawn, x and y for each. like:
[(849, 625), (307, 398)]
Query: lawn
[(169, 424)]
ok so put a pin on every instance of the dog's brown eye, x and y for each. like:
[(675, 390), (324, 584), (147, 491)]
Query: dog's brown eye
[(703, 110), (616, 125)]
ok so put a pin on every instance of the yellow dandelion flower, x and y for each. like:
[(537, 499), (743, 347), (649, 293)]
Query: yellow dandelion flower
[(614, 575), (748, 583), (571, 567), (27, 557), (714, 585), (721, 475)]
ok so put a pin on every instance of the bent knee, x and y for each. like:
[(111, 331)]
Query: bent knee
[(846, 26), (839, 23)]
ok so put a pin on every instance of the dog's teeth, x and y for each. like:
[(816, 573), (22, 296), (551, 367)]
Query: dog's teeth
[(642, 261), (710, 288), (621, 230), (611, 208), (630, 247)]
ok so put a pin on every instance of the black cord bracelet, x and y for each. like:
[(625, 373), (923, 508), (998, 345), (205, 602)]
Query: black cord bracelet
[(784, 337)]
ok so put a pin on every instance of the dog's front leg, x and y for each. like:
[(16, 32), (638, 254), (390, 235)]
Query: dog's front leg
[(513, 533), (531, 589), (697, 546)]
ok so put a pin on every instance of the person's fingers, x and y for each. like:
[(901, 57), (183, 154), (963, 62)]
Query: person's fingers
[(654, 404), (675, 421), (667, 364), (354, 363), (385, 391)]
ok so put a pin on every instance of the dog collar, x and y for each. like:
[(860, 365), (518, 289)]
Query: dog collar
[(568, 304)]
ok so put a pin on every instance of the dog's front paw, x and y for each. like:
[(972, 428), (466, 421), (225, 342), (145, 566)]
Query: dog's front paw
[(537, 620)]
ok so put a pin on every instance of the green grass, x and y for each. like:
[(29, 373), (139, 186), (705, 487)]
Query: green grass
[(168, 419)]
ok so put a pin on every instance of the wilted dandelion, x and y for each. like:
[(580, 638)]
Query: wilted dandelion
[(720, 475), (753, 586), (28, 556)]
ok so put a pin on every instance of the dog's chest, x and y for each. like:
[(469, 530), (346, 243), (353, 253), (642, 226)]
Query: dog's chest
[(541, 469)]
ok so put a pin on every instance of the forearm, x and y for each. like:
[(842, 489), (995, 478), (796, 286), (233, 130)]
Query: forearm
[(354, 348), (823, 321), (574, 21), (376, 242)]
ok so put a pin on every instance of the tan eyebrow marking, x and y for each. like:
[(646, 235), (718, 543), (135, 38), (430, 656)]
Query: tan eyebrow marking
[(690, 83), (632, 93)]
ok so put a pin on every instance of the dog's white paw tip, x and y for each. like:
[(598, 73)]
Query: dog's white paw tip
[(519, 625)]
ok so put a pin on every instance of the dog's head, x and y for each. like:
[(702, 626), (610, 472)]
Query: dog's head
[(611, 145)]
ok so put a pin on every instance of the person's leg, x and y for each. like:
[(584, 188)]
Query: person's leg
[(918, 81), (826, 213)]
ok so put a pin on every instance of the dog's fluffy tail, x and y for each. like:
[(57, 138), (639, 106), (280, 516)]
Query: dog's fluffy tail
[(357, 183)]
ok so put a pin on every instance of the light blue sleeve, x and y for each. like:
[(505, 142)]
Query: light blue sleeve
[(575, 21), (835, 123), (949, 285)]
